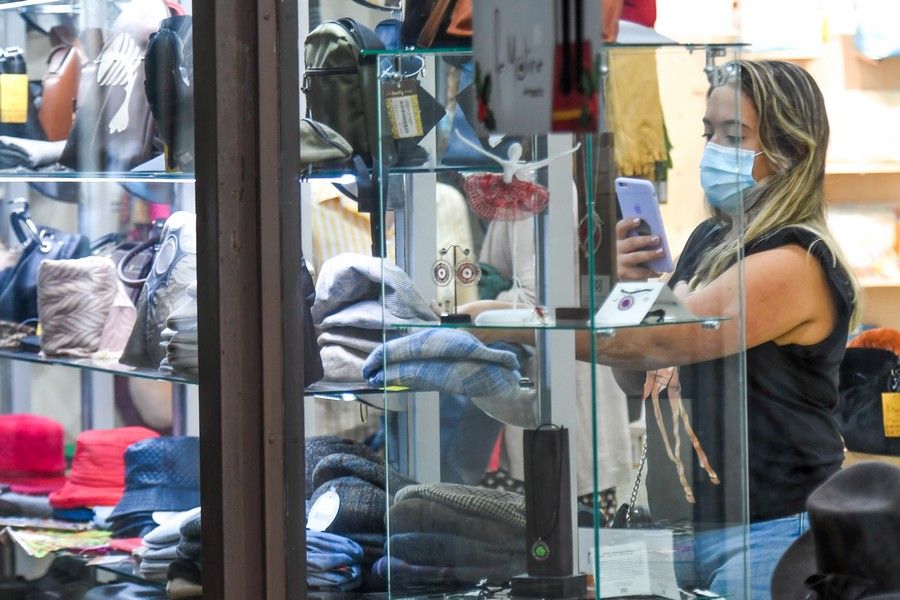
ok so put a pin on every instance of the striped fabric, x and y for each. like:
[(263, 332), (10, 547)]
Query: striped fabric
[(448, 361), (499, 505), (74, 300)]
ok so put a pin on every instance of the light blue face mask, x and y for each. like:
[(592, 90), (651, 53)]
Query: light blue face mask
[(724, 174)]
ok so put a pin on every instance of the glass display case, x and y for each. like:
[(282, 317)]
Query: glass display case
[(501, 449), (98, 243)]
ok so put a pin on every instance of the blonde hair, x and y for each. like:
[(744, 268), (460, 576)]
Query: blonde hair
[(793, 129)]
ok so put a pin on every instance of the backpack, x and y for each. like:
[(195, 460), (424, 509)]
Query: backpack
[(340, 87)]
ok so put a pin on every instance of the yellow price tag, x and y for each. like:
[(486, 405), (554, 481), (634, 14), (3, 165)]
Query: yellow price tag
[(13, 98), (890, 402)]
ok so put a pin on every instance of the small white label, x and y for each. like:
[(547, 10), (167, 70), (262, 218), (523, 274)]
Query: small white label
[(324, 511)]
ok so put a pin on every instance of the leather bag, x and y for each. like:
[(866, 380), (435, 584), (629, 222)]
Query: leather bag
[(18, 284), (113, 128), (59, 87)]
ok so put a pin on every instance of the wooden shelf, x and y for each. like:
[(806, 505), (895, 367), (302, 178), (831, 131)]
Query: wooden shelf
[(863, 168)]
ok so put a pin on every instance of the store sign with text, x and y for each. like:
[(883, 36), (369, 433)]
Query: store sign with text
[(537, 65)]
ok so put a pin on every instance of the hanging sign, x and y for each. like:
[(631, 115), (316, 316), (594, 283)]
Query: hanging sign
[(640, 302), (537, 65)]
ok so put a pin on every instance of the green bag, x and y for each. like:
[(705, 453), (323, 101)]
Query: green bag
[(340, 87), (320, 144)]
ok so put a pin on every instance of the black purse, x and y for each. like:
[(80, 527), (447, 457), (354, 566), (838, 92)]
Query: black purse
[(18, 284)]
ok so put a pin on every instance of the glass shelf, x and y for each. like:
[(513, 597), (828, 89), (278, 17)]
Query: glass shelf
[(320, 388), (563, 325), (690, 46), (347, 174), (126, 570), (14, 175), (102, 366)]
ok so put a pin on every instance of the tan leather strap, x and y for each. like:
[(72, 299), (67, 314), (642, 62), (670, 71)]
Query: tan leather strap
[(433, 24)]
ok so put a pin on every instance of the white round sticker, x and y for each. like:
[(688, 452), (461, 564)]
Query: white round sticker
[(323, 511)]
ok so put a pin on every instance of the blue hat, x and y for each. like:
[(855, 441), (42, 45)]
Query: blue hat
[(161, 474)]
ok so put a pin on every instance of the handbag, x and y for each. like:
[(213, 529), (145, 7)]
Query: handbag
[(133, 260), (174, 268), (59, 87), (169, 87), (320, 144), (74, 300), (865, 374), (113, 128), (18, 284), (18, 113)]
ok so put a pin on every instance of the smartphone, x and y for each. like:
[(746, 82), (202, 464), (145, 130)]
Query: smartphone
[(637, 200)]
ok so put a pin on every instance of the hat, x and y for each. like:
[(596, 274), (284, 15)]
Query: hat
[(360, 507), (97, 477), (31, 454), (161, 474), (849, 551), (319, 446)]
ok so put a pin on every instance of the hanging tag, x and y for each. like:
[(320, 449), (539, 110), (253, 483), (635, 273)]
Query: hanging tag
[(403, 109), (890, 402), (13, 98), (324, 511)]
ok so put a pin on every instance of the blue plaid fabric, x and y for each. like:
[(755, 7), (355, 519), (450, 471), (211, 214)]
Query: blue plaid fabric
[(443, 360), (348, 279), (332, 561)]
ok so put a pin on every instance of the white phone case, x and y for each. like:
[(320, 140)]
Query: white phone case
[(637, 200)]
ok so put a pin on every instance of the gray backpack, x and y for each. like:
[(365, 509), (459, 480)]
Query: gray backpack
[(340, 87)]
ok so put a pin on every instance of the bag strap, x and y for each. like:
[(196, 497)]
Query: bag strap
[(433, 23), (152, 240), (366, 200)]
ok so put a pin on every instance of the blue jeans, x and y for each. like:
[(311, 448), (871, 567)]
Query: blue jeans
[(717, 560)]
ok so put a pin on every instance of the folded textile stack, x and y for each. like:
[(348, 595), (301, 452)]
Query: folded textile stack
[(31, 154), (350, 312), (160, 546), (332, 562), (350, 485), (97, 479), (161, 474), (443, 360), (451, 534), (179, 338)]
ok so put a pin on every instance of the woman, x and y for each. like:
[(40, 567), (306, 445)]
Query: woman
[(786, 275)]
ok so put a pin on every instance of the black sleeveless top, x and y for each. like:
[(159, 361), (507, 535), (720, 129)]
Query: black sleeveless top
[(793, 441)]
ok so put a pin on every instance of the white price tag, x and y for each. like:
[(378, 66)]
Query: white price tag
[(323, 511)]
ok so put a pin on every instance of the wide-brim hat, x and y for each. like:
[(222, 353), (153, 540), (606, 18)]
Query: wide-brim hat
[(849, 551), (161, 474), (97, 477), (33, 486)]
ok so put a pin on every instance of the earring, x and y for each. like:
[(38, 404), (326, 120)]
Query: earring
[(468, 272), (442, 272)]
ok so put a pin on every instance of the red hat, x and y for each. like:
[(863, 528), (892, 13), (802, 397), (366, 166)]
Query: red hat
[(97, 477), (31, 454)]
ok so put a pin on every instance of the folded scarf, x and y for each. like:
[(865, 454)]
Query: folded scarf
[(469, 500), (341, 363), (181, 588), (420, 515), (332, 561), (185, 569), (449, 361), (23, 505)]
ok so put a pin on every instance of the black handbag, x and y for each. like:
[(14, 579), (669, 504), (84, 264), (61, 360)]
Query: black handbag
[(18, 284), (169, 86), (865, 374)]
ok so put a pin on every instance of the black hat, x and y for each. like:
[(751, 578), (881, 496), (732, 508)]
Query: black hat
[(851, 549)]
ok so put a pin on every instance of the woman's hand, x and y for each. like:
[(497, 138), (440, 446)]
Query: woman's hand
[(633, 252)]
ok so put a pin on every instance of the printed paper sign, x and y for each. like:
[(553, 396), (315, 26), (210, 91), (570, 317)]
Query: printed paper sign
[(637, 563), (537, 66), (640, 302)]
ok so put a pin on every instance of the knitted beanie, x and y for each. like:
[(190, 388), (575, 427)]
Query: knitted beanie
[(318, 447), (362, 505)]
